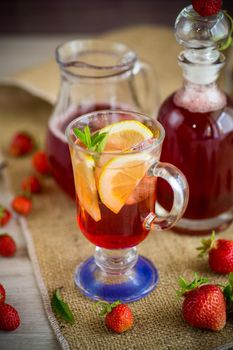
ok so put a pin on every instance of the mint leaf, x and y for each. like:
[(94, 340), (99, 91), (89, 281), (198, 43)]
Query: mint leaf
[(80, 135), (88, 136), (94, 142), (97, 137), (101, 144), (61, 308)]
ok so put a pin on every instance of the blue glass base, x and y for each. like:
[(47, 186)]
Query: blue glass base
[(128, 287)]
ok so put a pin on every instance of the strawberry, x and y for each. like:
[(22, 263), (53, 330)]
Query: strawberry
[(40, 163), (207, 7), (204, 305), (5, 216), (2, 294), (220, 254), (9, 318), (31, 184), (22, 204), (7, 245), (21, 144), (118, 317)]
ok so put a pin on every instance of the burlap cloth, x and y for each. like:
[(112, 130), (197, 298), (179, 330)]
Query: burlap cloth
[(56, 246)]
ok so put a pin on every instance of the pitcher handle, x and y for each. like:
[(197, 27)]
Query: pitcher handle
[(144, 88), (179, 185)]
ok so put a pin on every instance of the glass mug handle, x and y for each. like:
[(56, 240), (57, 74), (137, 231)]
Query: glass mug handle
[(180, 188)]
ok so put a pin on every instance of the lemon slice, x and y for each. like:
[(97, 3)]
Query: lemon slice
[(83, 168), (119, 177), (125, 134)]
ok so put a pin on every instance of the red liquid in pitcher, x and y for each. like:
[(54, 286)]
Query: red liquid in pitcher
[(201, 145), (57, 148), (122, 230)]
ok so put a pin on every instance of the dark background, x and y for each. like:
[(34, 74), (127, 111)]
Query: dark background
[(86, 16)]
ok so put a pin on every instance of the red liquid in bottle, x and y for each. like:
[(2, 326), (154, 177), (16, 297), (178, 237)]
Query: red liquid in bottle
[(57, 148), (201, 146)]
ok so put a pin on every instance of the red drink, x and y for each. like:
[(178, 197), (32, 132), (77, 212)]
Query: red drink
[(57, 148), (115, 192), (124, 229), (200, 143)]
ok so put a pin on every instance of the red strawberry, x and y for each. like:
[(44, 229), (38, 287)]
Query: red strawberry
[(207, 7), (22, 204), (118, 317), (204, 305), (21, 144), (5, 216), (40, 163), (220, 254), (31, 184), (2, 294), (9, 318), (7, 245)]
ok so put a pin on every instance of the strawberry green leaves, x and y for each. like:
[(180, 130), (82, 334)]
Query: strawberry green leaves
[(207, 245), (95, 142), (61, 308), (2, 211), (188, 286), (105, 308), (228, 292)]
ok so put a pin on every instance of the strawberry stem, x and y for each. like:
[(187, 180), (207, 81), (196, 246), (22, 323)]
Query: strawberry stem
[(228, 292), (27, 193), (188, 286), (207, 245), (105, 308), (2, 209)]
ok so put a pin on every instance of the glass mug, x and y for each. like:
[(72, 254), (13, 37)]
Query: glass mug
[(95, 75), (116, 199)]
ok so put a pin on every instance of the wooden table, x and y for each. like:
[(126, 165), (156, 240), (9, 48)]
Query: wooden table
[(16, 274)]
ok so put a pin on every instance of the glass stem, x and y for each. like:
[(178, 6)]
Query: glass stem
[(116, 262)]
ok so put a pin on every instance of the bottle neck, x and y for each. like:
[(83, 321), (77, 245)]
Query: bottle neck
[(201, 68), (201, 61)]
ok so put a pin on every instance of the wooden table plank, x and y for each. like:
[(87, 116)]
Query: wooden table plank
[(17, 275)]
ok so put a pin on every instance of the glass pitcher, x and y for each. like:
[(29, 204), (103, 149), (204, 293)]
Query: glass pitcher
[(95, 75)]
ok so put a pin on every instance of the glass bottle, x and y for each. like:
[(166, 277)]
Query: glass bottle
[(95, 75), (198, 120)]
